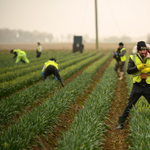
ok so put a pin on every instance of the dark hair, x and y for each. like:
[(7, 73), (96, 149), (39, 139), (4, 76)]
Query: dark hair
[(11, 51), (121, 44), (53, 59)]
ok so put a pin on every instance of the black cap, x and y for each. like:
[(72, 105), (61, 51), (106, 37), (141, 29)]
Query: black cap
[(121, 44), (53, 59), (141, 45), (11, 51)]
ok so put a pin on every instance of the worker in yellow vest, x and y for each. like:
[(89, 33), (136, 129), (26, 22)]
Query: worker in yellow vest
[(39, 50), (51, 67), (120, 56), (139, 67), (21, 55)]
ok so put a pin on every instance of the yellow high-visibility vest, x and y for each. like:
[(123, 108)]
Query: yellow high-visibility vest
[(51, 63), (137, 75), (123, 58), (16, 50), (19, 51)]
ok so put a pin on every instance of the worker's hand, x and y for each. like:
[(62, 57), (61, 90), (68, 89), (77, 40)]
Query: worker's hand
[(116, 53), (142, 66), (145, 70)]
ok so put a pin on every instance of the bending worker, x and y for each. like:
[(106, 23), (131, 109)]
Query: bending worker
[(21, 55), (139, 67), (51, 67), (39, 50), (121, 58)]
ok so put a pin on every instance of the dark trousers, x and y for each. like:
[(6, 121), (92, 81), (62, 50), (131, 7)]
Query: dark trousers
[(23, 61), (52, 70), (136, 93), (119, 65), (38, 54)]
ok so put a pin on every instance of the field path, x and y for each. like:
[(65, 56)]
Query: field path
[(117, 139), (67, 118)]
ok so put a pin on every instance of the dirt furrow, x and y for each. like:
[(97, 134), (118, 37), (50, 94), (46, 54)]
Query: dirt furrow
[(67, 118), (35, 104), (117, 139)]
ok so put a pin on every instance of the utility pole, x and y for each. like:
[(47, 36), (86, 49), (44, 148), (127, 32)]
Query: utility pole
[(96, 24)]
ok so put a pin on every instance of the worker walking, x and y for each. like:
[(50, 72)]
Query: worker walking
[(139, 67), (39, 50), (21, 55), (120, 60), (51, 67)]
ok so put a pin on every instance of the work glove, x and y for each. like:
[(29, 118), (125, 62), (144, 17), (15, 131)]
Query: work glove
[(116, 53), (145, 70), (142, 66)]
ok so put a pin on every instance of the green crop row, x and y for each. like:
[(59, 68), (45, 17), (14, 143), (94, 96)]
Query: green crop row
[(60, 58), (10, 87), (8, 60), (17, 73), (139, 136), (49, 55), (13, 66), (42, 119), (88, 127), (11, 106)]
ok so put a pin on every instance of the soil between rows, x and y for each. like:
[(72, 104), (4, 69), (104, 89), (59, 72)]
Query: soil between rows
[(26, 109), (117, 139), (67, 118)]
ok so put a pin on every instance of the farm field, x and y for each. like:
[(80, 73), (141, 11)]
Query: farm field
[(81, 115)]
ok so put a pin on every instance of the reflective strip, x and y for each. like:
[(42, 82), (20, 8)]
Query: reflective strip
[(134, 59), (136, 75)]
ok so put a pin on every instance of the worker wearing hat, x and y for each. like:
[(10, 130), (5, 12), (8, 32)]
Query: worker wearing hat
[(139, 67), (20, 54), (39, 50), (120, 57), (51, 67)]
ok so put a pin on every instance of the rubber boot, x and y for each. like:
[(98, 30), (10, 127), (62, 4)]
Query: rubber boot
[(121, 76), (121, 122)]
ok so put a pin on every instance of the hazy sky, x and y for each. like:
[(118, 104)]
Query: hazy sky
[(77, 17)]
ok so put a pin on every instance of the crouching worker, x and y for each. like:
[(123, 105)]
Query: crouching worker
[(21, 55), (51, 67)]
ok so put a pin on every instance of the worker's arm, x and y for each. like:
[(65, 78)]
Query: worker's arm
[(123, 53), (15, 55), (132, 68), (43, 70)]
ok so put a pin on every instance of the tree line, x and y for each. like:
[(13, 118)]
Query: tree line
[(20, 36)]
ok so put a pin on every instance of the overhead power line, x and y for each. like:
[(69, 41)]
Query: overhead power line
[(113, 17)]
